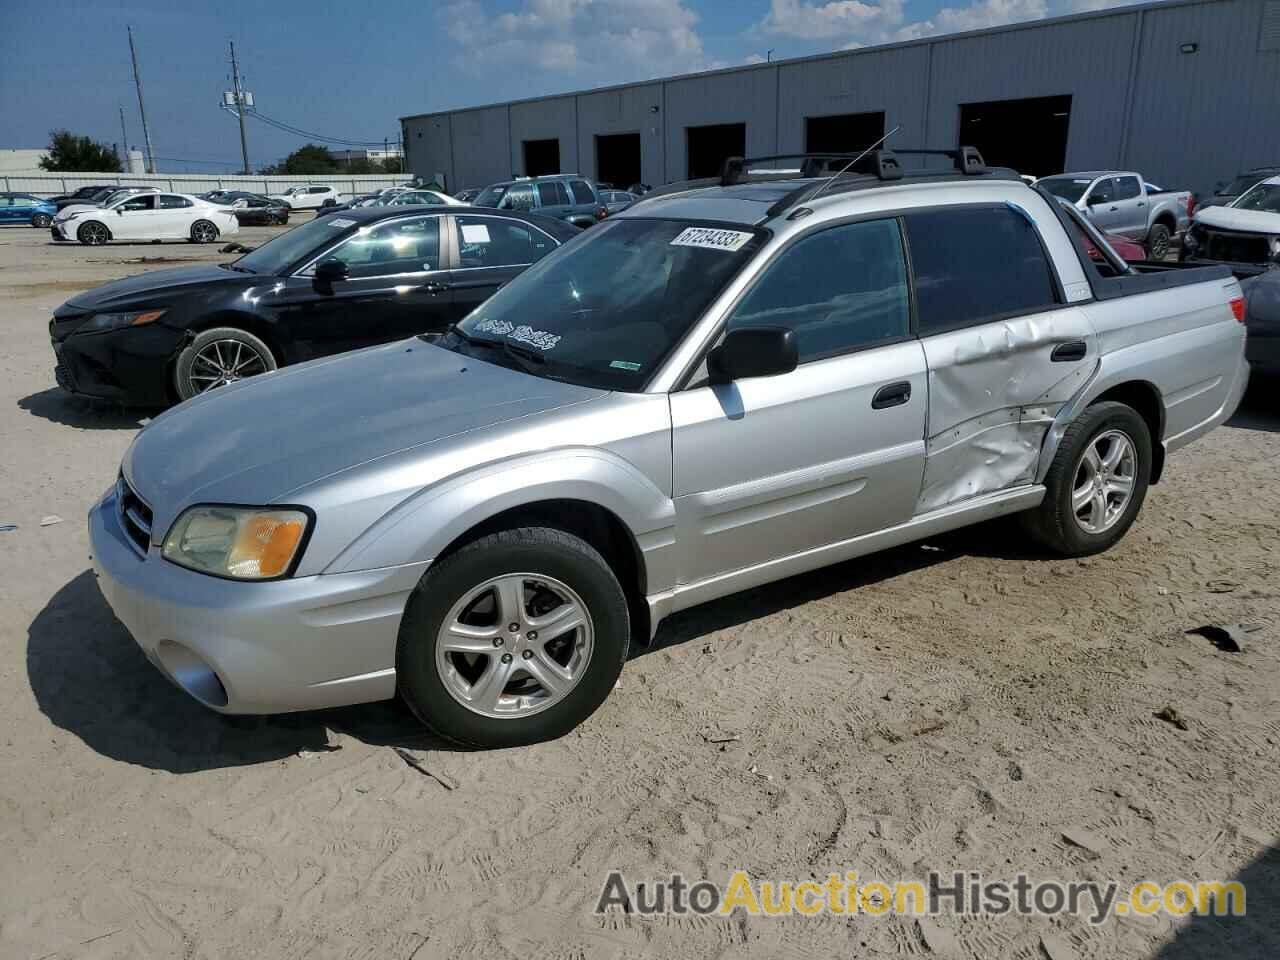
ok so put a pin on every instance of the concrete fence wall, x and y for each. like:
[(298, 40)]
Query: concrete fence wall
[(54, 184)]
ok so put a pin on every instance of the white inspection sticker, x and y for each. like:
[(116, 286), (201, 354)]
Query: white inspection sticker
[(341, 222), (475, 233), (711, 239)]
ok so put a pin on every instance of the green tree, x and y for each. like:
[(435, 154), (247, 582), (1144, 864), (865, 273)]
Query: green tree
[(71, 154), (306, 160), (393, 165)]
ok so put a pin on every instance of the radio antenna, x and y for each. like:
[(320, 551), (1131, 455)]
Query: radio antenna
[(839, 172)]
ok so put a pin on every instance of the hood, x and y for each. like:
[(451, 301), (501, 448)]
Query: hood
[(1233, 218), (78, 208), (256, 441), (155, 284)]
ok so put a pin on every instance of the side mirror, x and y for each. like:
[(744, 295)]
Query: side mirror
[(330, 271), (1094, 199), (753, 352)]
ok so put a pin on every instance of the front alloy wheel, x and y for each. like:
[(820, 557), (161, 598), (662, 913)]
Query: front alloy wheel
[(515, 645), (218, 357), (513, 638), (93, 234)]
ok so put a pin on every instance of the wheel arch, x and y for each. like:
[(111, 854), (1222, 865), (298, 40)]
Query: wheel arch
[(1143, 396), (590, 493), (1167, 219)]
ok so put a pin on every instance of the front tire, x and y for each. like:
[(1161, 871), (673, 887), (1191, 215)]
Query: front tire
[(202, 231), (1158, 241), (93, 234), (41, 220), (1096, 484), (218, 357), (473, 679)]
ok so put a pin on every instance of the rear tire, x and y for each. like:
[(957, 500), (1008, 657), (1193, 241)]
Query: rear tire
[(202, 231), (476, 698), (1158, 241), (1089, 505), (217, 357)]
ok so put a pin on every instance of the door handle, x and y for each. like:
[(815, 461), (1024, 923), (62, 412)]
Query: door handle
[(435, 286), (1112, 209), (1142, 203), (893, 395), (1068, 352)]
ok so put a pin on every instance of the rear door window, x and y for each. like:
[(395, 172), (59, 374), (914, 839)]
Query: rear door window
[(1127, 188), (493, 242), (553, 194), (581, 191), (972, 265), (169, 202)]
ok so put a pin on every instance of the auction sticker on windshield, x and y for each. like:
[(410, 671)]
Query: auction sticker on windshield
[(341, 222), (711, 239)]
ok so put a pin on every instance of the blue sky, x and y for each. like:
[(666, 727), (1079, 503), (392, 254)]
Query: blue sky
[(352, 70)]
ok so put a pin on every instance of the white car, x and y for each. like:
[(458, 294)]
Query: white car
[(1246, 231), (145, 216), (310, 197)]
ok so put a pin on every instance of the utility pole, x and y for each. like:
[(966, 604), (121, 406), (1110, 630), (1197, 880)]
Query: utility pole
[(146, 133), (240, 98), (124, 140)]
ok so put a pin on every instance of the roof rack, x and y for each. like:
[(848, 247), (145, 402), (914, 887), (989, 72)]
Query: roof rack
[(881, 164)]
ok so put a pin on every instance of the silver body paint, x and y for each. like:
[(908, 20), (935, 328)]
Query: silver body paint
[(401, 449)]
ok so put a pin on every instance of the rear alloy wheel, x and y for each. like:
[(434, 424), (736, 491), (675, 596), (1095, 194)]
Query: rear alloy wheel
[(515, 638), (41, 220), (1096, 483), (93, 234), (202, 231), (1158, 242), (219, 357)]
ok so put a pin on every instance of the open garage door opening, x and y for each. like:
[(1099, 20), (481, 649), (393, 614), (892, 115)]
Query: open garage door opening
[(618, 159), (1028, 135), (843, 132), (541, 157), (709, 147)]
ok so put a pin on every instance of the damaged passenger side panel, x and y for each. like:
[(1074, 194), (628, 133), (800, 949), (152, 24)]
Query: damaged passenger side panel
[(994, 390)]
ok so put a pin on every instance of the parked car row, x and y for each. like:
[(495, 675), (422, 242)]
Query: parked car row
[(705, 392)]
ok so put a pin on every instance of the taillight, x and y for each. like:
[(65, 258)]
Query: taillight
[(602, 213), (1237, 308), (1191, 205)]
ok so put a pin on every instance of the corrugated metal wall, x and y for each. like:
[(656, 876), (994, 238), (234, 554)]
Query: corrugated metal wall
[(1181, 119)]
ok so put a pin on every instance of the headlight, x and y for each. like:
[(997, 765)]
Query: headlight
[(243, 543), (64, 217), (115, 321)]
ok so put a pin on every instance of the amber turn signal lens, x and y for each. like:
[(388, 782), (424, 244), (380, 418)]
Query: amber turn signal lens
[(151, 316), (265, 545)]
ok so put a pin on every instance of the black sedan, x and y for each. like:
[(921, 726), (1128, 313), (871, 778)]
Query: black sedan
[(337, 283), (252, 209)]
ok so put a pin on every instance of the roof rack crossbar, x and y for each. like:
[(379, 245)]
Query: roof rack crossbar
[(877, 163)]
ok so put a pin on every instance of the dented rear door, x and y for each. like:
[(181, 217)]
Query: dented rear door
[(1003, 348)]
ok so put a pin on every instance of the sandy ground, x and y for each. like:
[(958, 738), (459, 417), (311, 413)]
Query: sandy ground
[(965, 704)]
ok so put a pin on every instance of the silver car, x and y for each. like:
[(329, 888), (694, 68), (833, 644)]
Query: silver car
[(719, 387)]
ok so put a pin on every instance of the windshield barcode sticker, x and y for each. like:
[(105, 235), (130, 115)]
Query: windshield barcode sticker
[(342, 222), (711, 239)]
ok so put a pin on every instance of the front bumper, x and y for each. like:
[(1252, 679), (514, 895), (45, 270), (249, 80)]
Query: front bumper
[(297, 644), (129, 366), (62, 229)]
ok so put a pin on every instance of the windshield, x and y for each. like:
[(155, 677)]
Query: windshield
[(280, 253), (606, 309), (1241, 183), (1070, 189), (491, 196), (1265, 197)]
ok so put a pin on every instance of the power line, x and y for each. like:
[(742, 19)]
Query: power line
[(298, 131)]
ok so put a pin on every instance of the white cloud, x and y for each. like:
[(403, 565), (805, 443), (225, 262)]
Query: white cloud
[(604, 41), (850, 24)]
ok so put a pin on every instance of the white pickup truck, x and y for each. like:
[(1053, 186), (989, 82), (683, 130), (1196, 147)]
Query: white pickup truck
[(1122, 202)]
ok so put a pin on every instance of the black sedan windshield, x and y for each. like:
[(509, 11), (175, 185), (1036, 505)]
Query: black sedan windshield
[(280, 253), (607, 309)]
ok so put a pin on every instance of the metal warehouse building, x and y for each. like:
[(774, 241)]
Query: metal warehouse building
[(1187, 93)]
